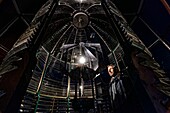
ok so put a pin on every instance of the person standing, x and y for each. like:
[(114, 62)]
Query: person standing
[(116, 89)]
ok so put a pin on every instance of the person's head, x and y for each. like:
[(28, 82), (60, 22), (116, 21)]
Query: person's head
[(112, 70)]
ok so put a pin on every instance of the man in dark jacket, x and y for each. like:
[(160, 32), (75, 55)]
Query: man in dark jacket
[(116, 89)]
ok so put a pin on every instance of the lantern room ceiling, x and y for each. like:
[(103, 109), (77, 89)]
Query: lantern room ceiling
[(150, 19)]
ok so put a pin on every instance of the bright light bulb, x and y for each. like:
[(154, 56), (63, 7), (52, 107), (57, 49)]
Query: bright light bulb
[(82, 60)]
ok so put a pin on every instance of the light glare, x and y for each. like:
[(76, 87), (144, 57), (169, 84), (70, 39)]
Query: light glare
[(81, 87), (82, 60)]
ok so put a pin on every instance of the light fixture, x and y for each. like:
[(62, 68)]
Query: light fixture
[(80, 1), (82, 60)]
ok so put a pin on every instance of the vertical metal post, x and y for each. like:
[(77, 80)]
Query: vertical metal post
[(68, 95), (93, 94), (53, 105), (76, 89), (41, 80)]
